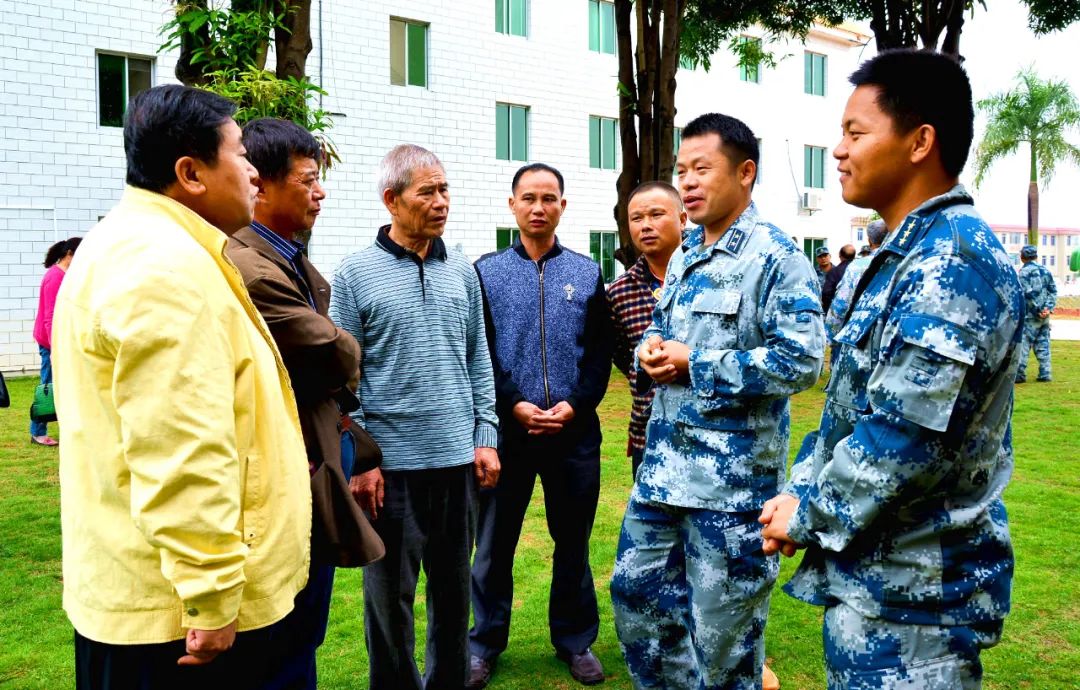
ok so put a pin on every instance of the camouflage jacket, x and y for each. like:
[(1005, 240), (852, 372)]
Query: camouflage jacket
[(1040, 292), (900, 487), (748, 309)]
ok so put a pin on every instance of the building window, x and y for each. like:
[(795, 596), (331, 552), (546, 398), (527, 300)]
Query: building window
[(511, 132), (687, 63), (750, 73), (1016, 238), (408, 53), (1052, 259), (1053, 240), (859, 234), (602, 142), (810, 245), (120, 78), (510, 17), (676, 140), (814, 167), (505, 237), (602, 249), (602, 26), (815, 65)]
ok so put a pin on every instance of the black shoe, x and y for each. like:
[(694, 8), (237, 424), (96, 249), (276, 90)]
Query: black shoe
[(1021, 379), (480, 671), (584, 667), (1042, 379)]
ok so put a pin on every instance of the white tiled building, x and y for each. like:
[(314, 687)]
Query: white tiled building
[(68, 65)]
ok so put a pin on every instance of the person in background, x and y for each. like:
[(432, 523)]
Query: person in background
[(657, 219), (1040, 298), (835, 275), (57, 260), (841, 303), (822, 265)]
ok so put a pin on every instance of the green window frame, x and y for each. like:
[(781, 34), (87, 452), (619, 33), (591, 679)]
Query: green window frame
[(602, 26), (810, 245), (760, 160), (750, 73), (815, 67), (602, 244), (510, 17), (676, 140), (687, 63), (603, 133), (511, 132), (408, 53), (120, 78), (505, 237), (814, 167)]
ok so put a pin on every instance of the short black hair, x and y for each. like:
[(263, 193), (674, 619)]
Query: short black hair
[(61, 249), (272, 142), (919, 87), (537, 167), (737, 141), (660, 185), (166, 123)]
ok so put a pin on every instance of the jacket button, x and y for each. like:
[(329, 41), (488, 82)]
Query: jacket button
[(193, 612)]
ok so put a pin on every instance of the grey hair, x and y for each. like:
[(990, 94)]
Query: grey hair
[(395, 170), (876, 230)]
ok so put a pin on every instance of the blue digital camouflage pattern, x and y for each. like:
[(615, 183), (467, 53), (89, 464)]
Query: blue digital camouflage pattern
[(1040, 293), (874, 654), (841, 303), (900, 487), (690, 562), (747, 307), (691, 594)]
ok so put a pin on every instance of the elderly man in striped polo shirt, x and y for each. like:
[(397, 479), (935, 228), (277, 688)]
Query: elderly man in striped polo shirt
[(428, 398)]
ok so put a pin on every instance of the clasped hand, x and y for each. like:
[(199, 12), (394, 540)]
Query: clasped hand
[(664, 360), (775, 515), (538, 421)]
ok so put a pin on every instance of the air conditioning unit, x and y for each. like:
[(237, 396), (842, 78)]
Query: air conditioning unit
[(811, 202)]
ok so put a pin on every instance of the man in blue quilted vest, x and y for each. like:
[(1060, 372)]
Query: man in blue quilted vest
[(549, 331)]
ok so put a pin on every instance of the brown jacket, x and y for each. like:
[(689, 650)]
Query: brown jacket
[(320, 358)]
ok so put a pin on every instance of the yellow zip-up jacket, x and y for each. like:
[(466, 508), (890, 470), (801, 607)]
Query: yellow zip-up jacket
[(184, 490)]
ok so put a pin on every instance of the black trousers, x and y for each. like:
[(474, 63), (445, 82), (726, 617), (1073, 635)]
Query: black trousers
[(101, 666), (569, 470), (428, 519)]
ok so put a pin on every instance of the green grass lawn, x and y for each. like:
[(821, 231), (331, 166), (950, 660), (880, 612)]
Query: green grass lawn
[(1041, 647)]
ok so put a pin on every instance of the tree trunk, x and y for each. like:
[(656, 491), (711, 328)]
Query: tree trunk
[(630, 176), (954, 25), (293, 43), (188, 74), (1033, 201)]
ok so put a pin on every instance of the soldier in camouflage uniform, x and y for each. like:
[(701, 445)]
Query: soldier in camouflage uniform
[(897, 496), (737, 330), (1040, 298)]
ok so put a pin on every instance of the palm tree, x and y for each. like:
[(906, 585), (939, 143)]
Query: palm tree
[(1039, 113)]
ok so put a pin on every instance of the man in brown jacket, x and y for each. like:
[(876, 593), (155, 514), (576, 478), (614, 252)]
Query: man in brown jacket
[(323, 362)]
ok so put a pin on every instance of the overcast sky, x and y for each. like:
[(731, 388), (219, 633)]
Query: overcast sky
[(996, 44)]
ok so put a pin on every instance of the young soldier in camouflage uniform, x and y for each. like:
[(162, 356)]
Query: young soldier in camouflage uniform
[(897, 496), (1040, 298), (737, 331)]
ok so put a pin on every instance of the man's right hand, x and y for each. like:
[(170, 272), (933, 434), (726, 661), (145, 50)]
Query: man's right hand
[(368, 489), (535, 420), (203, 646), (655, 361)]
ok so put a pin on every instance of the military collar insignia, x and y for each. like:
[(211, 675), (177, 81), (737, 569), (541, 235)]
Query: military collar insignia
[(734, 239)]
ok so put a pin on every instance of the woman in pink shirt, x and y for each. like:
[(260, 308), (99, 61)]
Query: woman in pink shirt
[(57, 260)]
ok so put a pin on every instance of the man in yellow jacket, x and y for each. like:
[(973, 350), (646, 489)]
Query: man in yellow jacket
[(185, 505)]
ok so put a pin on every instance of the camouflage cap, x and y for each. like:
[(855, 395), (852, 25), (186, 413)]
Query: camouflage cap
[(1029, 251)]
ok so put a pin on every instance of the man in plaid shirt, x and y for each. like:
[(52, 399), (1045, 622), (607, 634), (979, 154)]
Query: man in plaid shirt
[(656, 219)]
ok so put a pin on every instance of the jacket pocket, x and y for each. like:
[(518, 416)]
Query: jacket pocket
[(715, 315), (855, 360)]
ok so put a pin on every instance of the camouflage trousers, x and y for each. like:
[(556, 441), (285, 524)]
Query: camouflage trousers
[(874, 654), (691, 593), (1037, 337)]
